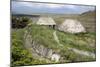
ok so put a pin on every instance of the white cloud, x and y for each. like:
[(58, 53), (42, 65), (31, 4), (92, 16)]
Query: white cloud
[(26, 4), (30, 4), (54, 5), (71, 6), (37, 5)]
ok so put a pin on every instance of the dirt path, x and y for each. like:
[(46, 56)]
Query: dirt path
[(56, 38)]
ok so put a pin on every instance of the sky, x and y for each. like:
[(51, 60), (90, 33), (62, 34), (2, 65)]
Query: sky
[(31, 8)]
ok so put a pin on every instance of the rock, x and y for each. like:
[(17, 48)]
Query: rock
[(49, 53), (55, 57), (71, 26), (39, 50), (36, 48)]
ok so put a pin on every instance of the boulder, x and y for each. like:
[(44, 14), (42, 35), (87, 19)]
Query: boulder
[(55, 57)]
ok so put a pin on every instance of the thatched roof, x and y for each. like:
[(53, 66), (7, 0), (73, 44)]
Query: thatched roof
[(46, 21), (72, 26)]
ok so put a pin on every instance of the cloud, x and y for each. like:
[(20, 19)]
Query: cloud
[(71, 6), (26, 4), (30, 4), (54, 5), (31, 7)]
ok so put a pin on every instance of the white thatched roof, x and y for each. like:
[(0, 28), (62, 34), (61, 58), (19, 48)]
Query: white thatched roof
[(72, 26), (46, 21)]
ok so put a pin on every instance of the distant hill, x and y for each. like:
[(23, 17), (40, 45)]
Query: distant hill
[(88, 19), (89, 14)]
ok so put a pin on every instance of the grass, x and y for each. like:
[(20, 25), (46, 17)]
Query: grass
[(43, 35), (79, 41), (20, 56)]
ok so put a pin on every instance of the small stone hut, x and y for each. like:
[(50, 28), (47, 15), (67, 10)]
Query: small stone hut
[(47, 21)]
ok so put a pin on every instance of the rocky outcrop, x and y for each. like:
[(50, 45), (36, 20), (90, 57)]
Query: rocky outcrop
[(39, 50), (55, 57)]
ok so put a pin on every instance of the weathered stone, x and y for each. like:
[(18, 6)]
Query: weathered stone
[(55, 57), (39, 50)]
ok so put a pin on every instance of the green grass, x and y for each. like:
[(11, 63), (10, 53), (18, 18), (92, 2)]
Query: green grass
[(80, 41), (20, 56), (43, 35)]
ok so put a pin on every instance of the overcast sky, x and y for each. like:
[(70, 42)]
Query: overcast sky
[(31, 8)]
